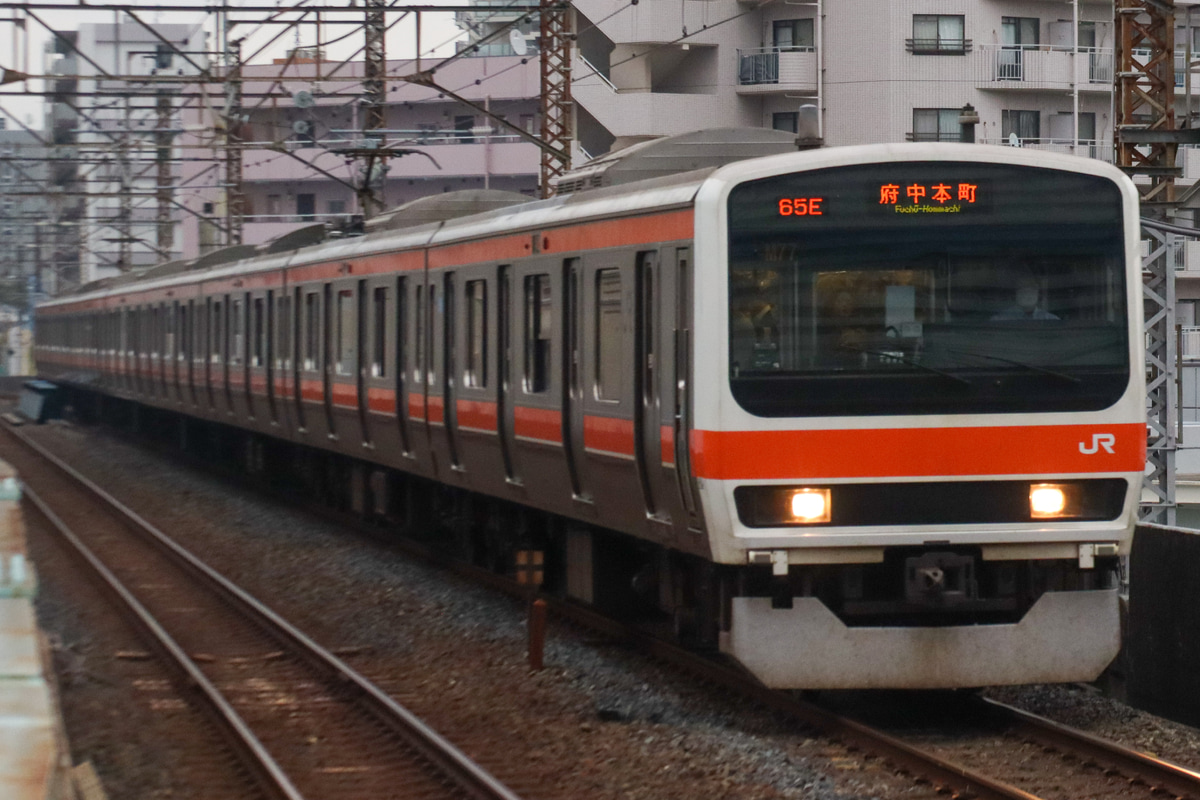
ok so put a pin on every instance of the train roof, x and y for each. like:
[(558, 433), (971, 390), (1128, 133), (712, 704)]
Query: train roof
[(669, 191)]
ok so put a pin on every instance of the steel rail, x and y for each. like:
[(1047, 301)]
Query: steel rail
[(942, 773), (252, 752), (1156, 773), (471, 778)]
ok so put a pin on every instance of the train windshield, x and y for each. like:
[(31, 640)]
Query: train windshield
[(927, 288)]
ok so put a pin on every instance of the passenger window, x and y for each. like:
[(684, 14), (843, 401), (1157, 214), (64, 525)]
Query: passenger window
[(257, 332), (218, 332), (401, 321), (476, 372), (379, 332), (183, 333), (419, 355), (344, 357), (283, 320), (538, 312), (610, 366), (237, 327), (431, 368), (312, 336)]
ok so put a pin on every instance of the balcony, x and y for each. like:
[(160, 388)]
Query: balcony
[(1041, 67), (766, 70)]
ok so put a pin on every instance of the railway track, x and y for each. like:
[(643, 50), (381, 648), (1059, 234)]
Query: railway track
[(302, 722), (1114, 770)]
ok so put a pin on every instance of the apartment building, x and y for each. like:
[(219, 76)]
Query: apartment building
[(116, 127), (303, 130), (25, 214)]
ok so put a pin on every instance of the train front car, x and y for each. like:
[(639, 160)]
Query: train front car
[(924, 429)]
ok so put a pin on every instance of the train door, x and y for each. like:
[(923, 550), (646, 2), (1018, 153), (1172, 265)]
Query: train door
[(504, 365), (326, 358), (682, 400), (647, 431), (450, 366), (304, 321), (370, 362), (401, 339), (572, 372), (174, 348), (270, 368)]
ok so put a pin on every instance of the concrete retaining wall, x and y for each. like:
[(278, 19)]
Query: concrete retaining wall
[(1162, 638)]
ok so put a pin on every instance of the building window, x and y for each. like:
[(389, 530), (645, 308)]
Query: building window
[(1024, 125), (476, 373), (936, 125), (462, 129), (610, 345), (1017, 34), (274, 205), (336, 207), (938, 34), (785, 121), (538, 329), (306, 207), (792, 34)]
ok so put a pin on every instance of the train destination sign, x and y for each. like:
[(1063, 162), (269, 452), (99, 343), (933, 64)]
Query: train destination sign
[(929, 198)]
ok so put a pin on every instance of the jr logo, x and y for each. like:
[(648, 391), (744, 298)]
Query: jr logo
[(1105, 440)]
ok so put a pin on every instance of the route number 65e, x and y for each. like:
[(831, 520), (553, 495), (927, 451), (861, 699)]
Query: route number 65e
[(801, 206)]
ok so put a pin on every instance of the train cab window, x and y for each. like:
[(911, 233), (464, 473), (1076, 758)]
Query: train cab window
[(312, 333), (475, 374), (257, 332), (610, 366), (344, 355), (985, 300), (538, 330), (379, 302), (237, 329)]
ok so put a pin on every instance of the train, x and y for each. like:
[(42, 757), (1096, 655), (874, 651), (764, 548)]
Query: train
[(857, 417)]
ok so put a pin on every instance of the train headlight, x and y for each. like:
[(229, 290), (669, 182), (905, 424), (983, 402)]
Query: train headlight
[(1053, 500), (811, 505)]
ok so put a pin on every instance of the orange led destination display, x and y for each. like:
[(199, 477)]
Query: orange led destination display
[(801, 206), (929, 198)]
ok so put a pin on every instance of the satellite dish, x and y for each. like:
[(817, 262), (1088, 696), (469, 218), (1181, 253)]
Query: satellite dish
[(303, 99), (517, 40), (300, 127)]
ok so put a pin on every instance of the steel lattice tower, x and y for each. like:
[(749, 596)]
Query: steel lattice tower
[(235, 196), (1146, 143), (557, 109), (374, 104)]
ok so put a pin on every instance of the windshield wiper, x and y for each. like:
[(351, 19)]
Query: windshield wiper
[(1033, 367), (895, 356)]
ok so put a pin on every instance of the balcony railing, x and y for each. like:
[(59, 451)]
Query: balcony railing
[(1087, 148), (1190, 342), (941, 136), (1042, 66), (761, 64), (938, 47)]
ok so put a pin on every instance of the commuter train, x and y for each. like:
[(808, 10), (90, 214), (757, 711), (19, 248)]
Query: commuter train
[(860, 417)]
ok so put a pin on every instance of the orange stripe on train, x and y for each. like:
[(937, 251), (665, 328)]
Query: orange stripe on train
[(914, 452)]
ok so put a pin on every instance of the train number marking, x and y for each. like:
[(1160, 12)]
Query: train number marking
[(801, 206), (1099, 440)]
